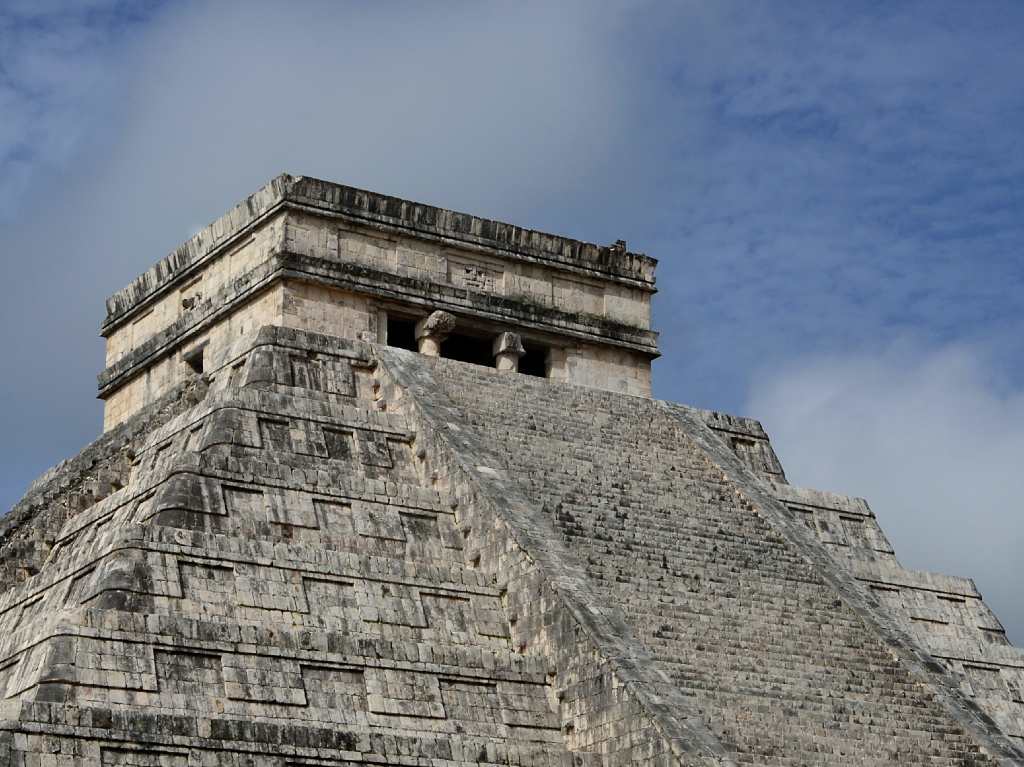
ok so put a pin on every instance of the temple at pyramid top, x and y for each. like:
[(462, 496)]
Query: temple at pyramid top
[(323, 257)]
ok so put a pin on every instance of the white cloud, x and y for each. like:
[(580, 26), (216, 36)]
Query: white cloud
[(58, 61), (489, 107), (855, 173), (935, 442)]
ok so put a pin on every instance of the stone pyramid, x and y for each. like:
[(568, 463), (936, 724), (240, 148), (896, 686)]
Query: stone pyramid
[(382, 484)]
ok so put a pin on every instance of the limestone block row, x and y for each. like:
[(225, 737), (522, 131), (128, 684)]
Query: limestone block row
[(413, 258), (311, 558), (231, 586), (395, 529), (335, 646), (331, 601), (333, 746), (846, 525), (201, 680)]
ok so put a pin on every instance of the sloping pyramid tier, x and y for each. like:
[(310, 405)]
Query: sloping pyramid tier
[(342, 554)]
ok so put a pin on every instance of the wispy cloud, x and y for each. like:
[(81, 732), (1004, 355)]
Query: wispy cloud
[(57, 60), (856, 173)]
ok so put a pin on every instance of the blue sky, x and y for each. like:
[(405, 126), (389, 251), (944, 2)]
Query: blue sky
[(834, 190)]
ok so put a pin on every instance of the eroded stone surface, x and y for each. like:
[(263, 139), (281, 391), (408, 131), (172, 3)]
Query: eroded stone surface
[(331, 259), (296, 546)]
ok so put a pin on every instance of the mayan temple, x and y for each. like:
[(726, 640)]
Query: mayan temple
[(384, 484)]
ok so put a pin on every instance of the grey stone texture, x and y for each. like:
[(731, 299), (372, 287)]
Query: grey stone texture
[(329, 258), (319, 550)]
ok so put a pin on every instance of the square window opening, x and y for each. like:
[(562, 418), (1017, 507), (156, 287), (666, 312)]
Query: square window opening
[(536, 360), (195, 359), (401, 333), (471, 349)]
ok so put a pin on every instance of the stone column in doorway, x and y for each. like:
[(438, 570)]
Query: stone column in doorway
[(430, 332), (508, 348)]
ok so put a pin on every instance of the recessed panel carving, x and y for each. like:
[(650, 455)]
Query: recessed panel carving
[(111, 756), (338, 689), (374, 449), (476, 275), (856, 532), (985, 680), (6, 672), (262, 679), (335, 520), (79, 588), (29, 610), (526, 705), (331, 603), (404, 693), (471, 701), (192, 675), (422, 536), (378, 521), (274, 435), (210, 586), (452, 615), (340, 444), (244, 503)]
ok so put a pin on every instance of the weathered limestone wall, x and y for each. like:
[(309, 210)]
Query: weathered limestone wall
[(243, 255), (279, 582), (239, 306), (322, 309), (536, 294), (445, 263), (289, 303), (381, 212), (945, 614), (590, 305), (332, 311), (29, 531), (618, 370), (171, 369)]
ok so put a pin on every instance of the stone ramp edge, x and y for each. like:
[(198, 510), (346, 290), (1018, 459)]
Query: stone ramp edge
[(630, 663), (905, 648)]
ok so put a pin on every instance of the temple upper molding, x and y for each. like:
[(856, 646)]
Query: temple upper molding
[(610, 262), (311, 255)]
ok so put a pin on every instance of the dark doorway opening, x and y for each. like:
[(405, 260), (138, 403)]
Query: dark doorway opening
[(195, 359), (402, 333), (535, 361), (476, 351)]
